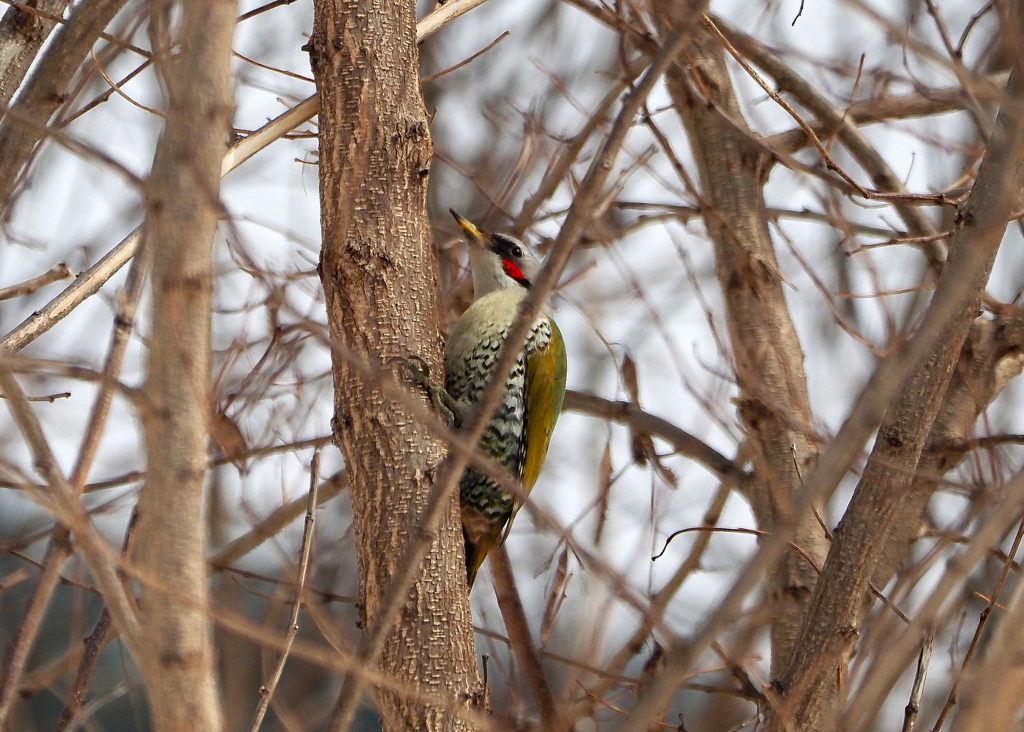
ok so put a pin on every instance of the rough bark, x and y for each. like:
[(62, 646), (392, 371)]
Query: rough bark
[(380, 283), (47, 87), (22, 33), (991, 357), (802, 693), (176, 656), (773, 402)]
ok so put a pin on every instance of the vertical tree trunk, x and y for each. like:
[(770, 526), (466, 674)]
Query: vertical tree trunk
[(380, 282), (182, 209), (773, 403)]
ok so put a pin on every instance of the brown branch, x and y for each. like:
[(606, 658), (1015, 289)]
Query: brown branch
[(267, 691), (681, 441), (102, 633), (986, 613), (773, 404), (59, 544), (64, 504), (988, 705), (917, 690), (463, 62), (838, 121), (277, 520), (56, 274), (925, 103), (22, 34), (521, 640)]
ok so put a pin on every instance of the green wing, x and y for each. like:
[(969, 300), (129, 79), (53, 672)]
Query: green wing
[(545, 389)]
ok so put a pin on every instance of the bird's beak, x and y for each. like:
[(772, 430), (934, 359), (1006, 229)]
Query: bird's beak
[(475, 235)]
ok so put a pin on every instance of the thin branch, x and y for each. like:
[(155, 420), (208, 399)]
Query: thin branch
[(267, 691), (57, 273), (986, 613), (68, 510), (521, 640), (470, 59), (682, 442), (917, 690)]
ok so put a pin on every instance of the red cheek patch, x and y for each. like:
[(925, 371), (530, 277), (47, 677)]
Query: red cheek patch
[(513, 271)]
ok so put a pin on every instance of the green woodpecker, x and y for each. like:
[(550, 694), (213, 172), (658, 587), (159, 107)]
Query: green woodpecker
[(518, 435)]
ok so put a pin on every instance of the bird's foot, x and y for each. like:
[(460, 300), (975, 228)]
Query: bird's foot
[(443, 403)]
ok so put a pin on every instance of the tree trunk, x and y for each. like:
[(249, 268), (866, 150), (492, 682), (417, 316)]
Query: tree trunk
[(772, 403), (175, 653), (380, 282)]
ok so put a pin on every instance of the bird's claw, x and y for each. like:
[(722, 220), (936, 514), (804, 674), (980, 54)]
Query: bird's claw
[(418, 371)]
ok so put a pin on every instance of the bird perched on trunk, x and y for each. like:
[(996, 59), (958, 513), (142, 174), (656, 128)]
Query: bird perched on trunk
[(519, 433)]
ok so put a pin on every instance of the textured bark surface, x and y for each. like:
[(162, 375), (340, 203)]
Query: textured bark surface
[(773, 402), (182, 209), (380, 282), (22, 33), (804, 691), (991, 357)]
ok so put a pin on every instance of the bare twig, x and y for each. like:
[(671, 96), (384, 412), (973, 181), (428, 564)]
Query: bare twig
[(57, 273), (267, 691), (47, 87), (917, 690), (986, 613), (521, 640)]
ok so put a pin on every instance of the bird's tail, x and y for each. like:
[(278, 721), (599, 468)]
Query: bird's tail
[(476, 553)]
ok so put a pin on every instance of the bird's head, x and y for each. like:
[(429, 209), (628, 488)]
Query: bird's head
[(499, 261)]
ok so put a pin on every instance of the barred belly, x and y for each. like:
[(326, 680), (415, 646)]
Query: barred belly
[(504, 439)]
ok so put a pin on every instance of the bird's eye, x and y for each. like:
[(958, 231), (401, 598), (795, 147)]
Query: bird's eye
[(517, 251)]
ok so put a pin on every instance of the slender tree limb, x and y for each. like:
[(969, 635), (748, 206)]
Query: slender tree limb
[(682, 442), (835, 119), (773, 404), (991, 357), (886, 109), (267, 691), (917, 690), (68, 510), (103, 632), (273, 523), (660, 601), (59, 545), (22, 34), (521, 640), (995, 688), (55, 274)]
